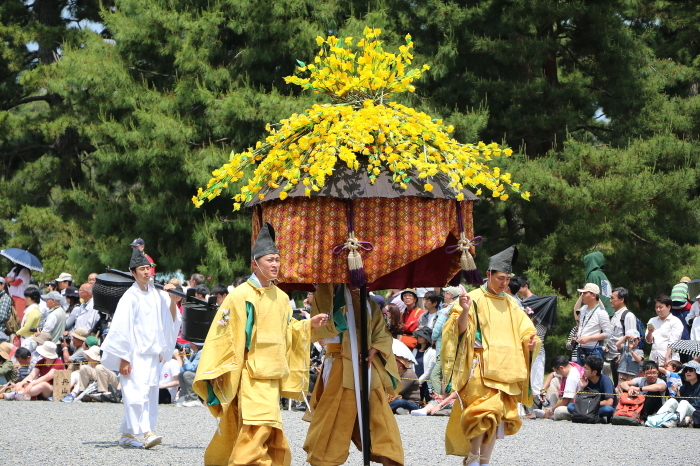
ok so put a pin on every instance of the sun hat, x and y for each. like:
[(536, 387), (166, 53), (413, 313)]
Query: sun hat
[(65, 277), (453, 290), (48, 350), (633, 333), (80, 333), (72, 292), (5, 350), (55, 295), (425, 332), (93, 353), (91, 341), (685, 280), (592, 287), (42, 338), (691, 365), (2, 280), (409, 290)]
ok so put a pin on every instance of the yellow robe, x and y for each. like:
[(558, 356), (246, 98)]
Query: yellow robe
[(334, 411), (248, 382), (490, 381)]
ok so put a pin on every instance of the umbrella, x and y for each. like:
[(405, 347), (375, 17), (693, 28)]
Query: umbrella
[(694, 289), (544, 310), (402, 351), (22, 257), (690, 347)]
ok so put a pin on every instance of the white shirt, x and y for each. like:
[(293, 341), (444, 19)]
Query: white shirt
[(617, 333), (573, 382), (51, 321), (87, 316), (169, 373), (19, 290), (665, 332), (693, 314), (594, 322)]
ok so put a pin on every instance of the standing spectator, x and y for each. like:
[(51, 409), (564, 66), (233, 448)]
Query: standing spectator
[(680, 305), (524, 290), (594, 263), (56, 321), (92, 278), (431, 303), (72, 296), (188, 371), (663, 330), (201, 292), (650, 384), (18, 279), (195, 280), (393, 296), (630, 359), (594, 326), (412, 313), (595, 381), (220, 291), (562, 384), (449, 294), (84, 316), (139, 244), (63, 282), (425, 360), (512, 290), (237, 282), (5, 309), (32, 315), (394, 324), (618, 300)]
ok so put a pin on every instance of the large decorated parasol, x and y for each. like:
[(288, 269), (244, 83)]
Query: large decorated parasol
[(364, 190)]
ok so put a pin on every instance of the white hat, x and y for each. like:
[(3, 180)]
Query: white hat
[(48, 350), (93, 353), (65, 277), (592, 287)]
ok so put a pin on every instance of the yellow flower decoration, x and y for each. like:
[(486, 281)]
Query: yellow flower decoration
[(360, 126)]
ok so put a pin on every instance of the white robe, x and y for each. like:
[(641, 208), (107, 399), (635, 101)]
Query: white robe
[(143, 333)]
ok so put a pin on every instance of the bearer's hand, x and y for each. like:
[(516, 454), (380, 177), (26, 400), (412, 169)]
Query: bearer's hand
[(370, 354), (465, 301), (124, 367), (531, 345), (319, 320)]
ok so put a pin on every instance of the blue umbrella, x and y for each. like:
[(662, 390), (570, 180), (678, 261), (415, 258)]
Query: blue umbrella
[(23, 257)]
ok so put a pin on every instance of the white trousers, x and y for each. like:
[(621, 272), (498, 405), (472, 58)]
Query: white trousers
[(537, 374), (683, 408), (140, 397)]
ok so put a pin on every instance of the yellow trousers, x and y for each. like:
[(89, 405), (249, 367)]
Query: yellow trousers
[(249, 432), (481, 411), (334, 423)]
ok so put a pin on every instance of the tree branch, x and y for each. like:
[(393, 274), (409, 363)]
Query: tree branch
[(151, 72), (51, 99)]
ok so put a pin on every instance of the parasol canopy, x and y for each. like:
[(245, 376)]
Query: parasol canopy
[(22, 257), (401, 350), (690, 347), (544, 310)]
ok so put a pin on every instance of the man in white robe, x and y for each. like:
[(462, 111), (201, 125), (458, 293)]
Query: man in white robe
[(140, 339)]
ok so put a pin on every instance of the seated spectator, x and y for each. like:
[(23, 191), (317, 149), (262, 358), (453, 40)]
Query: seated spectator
[(32, 313), (663, 330), (8, 374), (629, 364), (673, 379), (220, 291), (424, 354), (562, 384), (94, 372), (687, 405), (23, 365), (439, 406), (39, 382), (431, 303), (650, 384), (188, 398), (595, 381), (72, 351), (169, 382), (408, 398)]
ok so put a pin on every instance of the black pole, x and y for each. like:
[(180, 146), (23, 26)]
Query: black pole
[(364, 365)]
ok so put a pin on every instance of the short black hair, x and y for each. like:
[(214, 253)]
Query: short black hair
[(201, 289), (514, 284), (238, 281), (23, 353), (649, 364), (622, 293), (523, 281), (198, 278), (33, 294), (559, 361), (664, 299), (219, 289), (433, 297), (595, 364)]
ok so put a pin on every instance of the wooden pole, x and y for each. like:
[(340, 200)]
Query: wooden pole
[(364, 352)]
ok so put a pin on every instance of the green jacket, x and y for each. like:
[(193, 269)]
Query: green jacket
[(594, 263)]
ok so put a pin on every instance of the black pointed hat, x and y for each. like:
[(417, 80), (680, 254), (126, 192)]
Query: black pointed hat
[(265, 244), (138, 258), (504, 260)]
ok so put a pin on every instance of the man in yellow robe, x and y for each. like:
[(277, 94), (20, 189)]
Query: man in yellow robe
[(488, 352), (254, 353), (333, 411)]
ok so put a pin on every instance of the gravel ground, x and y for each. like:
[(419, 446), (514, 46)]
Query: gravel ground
[(49, 433)]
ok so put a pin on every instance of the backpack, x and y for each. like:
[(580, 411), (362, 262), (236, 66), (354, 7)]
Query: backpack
[(586, 407), (628, 411), (12, 324), (640, 329)]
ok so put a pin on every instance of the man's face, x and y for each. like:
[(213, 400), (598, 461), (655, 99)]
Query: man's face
[(615, 301), (84, 292), (662, 310), (62, 285), (76, 343), (408, 299), (562, 371), (587, 372), (498, 281), (140, 247), (268, 265), (220, 298), (448, 298), (51, 303), (523, 290), (651, 375), (142, 274), (24, 361), (92, 278), (588, 298)]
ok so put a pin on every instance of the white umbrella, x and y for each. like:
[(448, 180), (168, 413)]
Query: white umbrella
[(402, 351)]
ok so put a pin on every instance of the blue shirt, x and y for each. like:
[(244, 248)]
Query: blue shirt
[(604, 385)]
